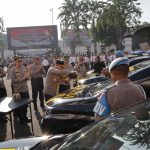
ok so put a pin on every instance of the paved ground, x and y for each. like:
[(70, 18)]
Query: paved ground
[(21, 130)]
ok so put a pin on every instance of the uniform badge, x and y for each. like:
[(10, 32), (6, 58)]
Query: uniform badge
[(102, 107)]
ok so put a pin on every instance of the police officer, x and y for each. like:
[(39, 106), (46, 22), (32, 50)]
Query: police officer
[(119, 53), (37, 73), (122, 94), (80, 67), (105, 71), (64, 82), (53, 77), (19, 76)]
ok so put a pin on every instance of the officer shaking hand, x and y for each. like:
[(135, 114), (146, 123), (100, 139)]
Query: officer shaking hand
[(122, 94)]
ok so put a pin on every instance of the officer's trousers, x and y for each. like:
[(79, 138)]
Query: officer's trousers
[(37, 87), (22, 111)]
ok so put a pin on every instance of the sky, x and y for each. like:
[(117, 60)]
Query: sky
[(20, 13)]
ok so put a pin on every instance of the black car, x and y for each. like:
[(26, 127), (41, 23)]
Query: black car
[(65, 115), (97, 78), (128, 129)]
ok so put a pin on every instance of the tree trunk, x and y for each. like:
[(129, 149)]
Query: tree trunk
[(119, 40), (2, 53), (95, 47), (72, 47)]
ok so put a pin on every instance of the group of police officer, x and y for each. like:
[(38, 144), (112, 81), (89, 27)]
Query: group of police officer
[(123, 93)]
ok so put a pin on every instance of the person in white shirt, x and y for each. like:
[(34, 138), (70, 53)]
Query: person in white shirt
[(92, 59), (72, 60), (45, 64), (87, 62)]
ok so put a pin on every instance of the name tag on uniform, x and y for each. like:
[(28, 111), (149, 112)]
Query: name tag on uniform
[(102, 107)]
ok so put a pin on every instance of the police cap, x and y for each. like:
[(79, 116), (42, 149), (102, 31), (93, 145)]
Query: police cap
[(59, 62), (118, 61), (119, 53), (16, 57)]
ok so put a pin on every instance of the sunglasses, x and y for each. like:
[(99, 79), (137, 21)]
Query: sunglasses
[(19, 60)]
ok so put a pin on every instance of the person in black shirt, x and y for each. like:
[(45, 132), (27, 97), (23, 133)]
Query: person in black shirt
[(99, 65), (3, 92)]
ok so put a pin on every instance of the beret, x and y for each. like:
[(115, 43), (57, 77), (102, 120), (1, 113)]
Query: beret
[(59, 62), (118, 61), (119, 53)]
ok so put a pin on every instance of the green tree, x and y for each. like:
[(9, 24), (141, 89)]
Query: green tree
[(116, 19), (70, 17), (92, 10)]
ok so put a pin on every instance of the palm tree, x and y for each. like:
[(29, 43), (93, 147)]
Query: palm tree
[(93, 10), (70, 17)]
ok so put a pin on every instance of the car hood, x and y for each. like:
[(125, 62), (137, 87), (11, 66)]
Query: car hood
[(68, 95), (31, 143), (128, 129), (59, 101), (22, 144)]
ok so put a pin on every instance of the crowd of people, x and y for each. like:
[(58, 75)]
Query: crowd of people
[(56, 71)]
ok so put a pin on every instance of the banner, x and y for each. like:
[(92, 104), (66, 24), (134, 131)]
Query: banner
[(32, 37)]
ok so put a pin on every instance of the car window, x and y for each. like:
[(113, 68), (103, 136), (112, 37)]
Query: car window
[(101, 86), (129, 128), (139, 66), (146, 86)]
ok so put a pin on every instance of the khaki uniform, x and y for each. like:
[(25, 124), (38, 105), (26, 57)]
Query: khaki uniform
[(52, 80), (81, 69), (16, 76), (10, 66), (20, 86), (64, 81), (37, 72), (123, 94)]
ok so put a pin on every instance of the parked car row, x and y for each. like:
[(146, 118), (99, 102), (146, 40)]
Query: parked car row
[(74, 108), (140, 52), (93, 78), (127, 129)]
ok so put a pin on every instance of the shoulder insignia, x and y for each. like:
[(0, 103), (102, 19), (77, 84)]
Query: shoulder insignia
[(102, 107)]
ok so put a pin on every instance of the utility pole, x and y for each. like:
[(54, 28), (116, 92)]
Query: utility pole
[(51, 10)]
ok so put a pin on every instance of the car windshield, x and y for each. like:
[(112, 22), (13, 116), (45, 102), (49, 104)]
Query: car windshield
[(108, 83), (129, 129), (96, 89), (139, 66)]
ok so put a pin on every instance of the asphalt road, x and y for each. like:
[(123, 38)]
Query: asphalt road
[(21, 130)]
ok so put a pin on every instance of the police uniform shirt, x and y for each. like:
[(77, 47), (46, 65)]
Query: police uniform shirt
[(37, 71), (16, 76), (124, 93), (81, 69), (2, 74), (52, 80), (68, 69)]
